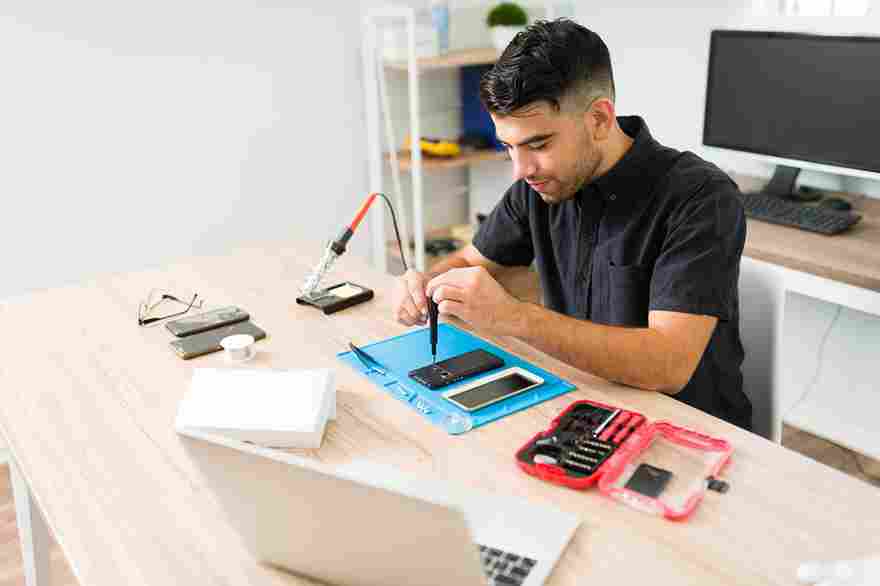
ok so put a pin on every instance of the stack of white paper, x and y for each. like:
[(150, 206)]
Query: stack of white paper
[(275, 408)]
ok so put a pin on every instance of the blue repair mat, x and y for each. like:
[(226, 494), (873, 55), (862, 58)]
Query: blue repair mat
[(407, 352)]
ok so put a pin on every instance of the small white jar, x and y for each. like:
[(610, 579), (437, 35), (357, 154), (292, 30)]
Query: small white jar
[(239, 348)]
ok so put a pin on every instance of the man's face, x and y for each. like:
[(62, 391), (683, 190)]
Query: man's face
[(553, 151)]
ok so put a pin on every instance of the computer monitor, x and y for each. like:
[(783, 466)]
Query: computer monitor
[(802, 101)]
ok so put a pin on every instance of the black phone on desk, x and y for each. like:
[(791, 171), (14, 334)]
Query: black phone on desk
[(207, 342), (452, 370), (194, 324)]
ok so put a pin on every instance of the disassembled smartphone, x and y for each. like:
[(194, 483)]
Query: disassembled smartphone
[(207, 342), (451, 370), (194, 324), (493, 388)]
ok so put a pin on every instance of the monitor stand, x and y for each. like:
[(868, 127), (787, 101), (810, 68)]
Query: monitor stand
[(782, 185)]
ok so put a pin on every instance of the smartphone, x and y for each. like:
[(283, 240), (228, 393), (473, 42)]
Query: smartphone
[(493, 388), (207, 342), (456, 368), (194, 324)]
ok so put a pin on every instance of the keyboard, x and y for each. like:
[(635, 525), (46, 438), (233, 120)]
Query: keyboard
[(773, 209), (503, 568)]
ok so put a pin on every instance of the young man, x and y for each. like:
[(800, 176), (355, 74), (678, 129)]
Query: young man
[(637, 245)]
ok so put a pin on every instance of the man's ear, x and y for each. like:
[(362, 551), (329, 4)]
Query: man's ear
[(600, 118)]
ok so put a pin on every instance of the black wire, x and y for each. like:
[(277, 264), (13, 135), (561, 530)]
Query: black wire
[(396, 231)]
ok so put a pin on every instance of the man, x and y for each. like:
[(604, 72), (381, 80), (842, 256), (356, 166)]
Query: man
[(637, 245)]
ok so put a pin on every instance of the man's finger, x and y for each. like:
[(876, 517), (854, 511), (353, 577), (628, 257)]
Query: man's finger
[(446, 292), (408, 314), (417, 293), (453, 308), (454, 277), (405, 318)]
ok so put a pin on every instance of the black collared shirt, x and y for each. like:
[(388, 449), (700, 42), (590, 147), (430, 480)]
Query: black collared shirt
[(662, 230)]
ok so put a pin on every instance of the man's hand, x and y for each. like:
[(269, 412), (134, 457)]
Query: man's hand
[(471, 294), (408, 302)]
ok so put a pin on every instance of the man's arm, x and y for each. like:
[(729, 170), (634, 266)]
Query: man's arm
[(504, 235), (409, 303), (661, 357)]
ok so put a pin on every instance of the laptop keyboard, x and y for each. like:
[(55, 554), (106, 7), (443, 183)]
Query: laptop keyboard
[(504, 568)]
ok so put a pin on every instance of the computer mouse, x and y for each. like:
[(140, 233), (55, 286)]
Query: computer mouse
[(836, 203)]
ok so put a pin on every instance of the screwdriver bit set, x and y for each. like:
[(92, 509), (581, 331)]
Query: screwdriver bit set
[(655, 467), (581, 441)]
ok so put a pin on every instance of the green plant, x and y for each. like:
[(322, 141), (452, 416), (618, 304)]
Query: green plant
[(507, 14)]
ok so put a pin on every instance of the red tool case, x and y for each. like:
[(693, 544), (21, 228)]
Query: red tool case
[(658, 468)]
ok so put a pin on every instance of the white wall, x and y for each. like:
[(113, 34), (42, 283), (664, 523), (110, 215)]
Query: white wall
[(133, 133)]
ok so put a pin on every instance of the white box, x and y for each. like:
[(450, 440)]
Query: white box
[(273, 408)]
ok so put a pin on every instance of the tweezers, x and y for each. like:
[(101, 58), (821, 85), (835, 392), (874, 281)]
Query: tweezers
[(368, 361)]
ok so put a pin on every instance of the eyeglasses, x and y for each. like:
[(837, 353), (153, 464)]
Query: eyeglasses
[(157, 298)]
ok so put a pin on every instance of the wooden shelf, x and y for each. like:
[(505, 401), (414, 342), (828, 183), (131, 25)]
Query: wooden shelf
[(461, 58), (439, 163)]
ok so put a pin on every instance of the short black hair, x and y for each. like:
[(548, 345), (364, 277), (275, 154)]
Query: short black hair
[(547, 61)]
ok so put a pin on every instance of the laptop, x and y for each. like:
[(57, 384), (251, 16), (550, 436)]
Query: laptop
[(366, 524)]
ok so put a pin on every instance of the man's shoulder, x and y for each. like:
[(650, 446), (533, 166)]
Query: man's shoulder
[(693, 176), (694, 187)]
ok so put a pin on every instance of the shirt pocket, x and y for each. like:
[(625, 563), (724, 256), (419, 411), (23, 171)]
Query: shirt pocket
[(627, 295)]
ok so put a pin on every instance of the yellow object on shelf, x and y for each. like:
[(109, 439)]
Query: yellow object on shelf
[(463, 232), (435, 147)]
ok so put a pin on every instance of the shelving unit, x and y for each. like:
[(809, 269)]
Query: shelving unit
[(441, 163), (377, 102), (452, 59)]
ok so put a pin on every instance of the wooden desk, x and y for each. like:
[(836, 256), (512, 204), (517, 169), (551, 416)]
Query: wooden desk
[(852, 257), (89, 399)]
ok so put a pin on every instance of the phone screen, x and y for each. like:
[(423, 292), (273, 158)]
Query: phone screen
[(492, 391)]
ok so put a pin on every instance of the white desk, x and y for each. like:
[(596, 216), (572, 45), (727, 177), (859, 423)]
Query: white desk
[(796, 290)]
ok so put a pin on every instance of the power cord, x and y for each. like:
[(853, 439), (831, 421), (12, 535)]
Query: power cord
[(396, 231), (819, 361), (869, 477)]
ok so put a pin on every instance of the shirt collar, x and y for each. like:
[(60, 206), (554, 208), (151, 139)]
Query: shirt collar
[(632, 177)]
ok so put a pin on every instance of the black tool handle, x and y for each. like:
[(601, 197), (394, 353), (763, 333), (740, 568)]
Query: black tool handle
[(432, 318)]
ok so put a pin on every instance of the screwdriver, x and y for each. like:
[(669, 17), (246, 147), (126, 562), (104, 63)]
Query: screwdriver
[(433, 312)]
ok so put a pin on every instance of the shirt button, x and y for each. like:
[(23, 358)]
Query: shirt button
[(612, 197)]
